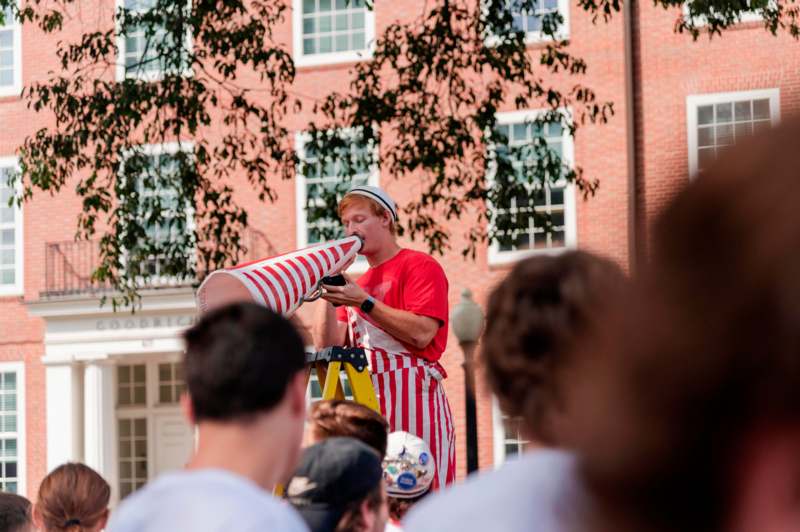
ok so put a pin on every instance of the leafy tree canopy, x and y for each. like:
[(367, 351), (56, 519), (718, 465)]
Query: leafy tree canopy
[(211, 88)]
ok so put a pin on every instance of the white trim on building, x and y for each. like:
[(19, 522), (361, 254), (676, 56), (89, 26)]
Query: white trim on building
[(496, 256), (121, 72), (15, 88), (85, 343), (714, 123), (347, 14), (19, 435), (501, 439), (18, 287)]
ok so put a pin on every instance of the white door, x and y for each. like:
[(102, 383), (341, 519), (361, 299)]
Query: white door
[(174, 442)]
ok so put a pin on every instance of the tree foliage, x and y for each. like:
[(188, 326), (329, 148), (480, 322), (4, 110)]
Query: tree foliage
[(213, 88)]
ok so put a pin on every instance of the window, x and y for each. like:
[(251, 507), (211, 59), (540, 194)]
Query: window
[(131, 385), (10, 233), (153, 171), (556, 200), (10, 55), (139, 52), (132, 455), (316, 176), (332, 31), (12, 430), (530, 21), (752, 15), (148, 393), (509, 440), (715, 121), (170, 383)]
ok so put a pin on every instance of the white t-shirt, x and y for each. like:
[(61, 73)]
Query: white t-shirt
[(204, 500), (537, 491)]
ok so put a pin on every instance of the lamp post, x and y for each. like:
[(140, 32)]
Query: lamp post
[(467, 323)]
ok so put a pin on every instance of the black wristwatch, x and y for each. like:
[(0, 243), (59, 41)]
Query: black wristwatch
[(367, 305)]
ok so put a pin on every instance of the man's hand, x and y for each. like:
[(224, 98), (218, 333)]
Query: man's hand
[(350, 295)]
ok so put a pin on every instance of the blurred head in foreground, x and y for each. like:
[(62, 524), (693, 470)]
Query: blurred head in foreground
[(690, 414)]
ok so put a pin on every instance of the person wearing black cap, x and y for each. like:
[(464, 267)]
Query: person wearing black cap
[(338, 487), (398, 311)]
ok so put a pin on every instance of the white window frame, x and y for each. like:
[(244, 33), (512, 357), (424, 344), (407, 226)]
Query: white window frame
[(15, 89), (699, 22), (22, 469), (497, 257), (301, 139), (149, 411), (155, 75), (18, 288), (696, 100), (498, 436), (533, 37), (169, 148), (331, 58)]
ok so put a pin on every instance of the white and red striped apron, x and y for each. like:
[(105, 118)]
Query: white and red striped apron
[(410, 393)]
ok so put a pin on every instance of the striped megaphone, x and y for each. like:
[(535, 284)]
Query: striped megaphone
[(281, 283)]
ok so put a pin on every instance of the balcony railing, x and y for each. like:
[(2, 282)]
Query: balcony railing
[(69, 266)]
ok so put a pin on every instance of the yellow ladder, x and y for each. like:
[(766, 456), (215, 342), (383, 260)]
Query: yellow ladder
[(329, 363)]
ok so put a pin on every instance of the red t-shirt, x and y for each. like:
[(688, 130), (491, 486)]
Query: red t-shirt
[(412, 281)]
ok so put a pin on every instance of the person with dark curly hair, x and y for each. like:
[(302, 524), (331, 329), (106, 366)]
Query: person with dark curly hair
[(537, 317), (688, 414)]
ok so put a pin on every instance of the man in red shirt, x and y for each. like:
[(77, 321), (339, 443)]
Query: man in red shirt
[(398, 311)]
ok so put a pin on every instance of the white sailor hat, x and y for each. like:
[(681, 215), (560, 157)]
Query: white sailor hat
[(377, 194)]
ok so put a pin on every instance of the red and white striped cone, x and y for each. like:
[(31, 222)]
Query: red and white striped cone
[(280, 283)]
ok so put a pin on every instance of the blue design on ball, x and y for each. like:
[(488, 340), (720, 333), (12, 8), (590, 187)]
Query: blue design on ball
[(406, 481), (423, 458)]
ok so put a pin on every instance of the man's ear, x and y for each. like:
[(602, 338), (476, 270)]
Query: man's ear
[(36, 517), (768, 483), (188, 409), (368, 515)]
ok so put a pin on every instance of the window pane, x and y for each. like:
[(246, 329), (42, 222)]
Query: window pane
[(358, 20), (341, 22), (139, 395), (165, 394), (724, 112), (309, 6), (309, 25), (325, 23), (308, 46), (359, 41), (140, 428), (6, 39), (324, 5), (705, 114), (342, 43), (164, 372), (761, 109), (139, 373), (7, 237), (325, 44), (742, 110), (705, 136)]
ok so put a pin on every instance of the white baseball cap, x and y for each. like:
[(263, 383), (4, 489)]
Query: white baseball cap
[(376, 194), (408, 468)]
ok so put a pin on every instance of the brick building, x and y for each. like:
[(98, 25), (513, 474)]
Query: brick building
[(78, 382)]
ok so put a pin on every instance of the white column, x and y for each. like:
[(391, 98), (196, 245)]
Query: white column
[(100, 429), (64, 393)]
